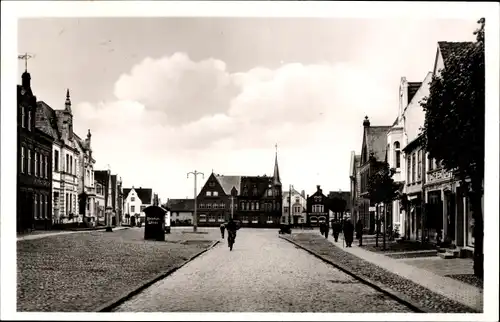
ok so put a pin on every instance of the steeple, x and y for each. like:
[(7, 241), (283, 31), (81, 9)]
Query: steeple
[(67, 104), (276, 175)]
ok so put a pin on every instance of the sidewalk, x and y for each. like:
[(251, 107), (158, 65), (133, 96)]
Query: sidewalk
[(460, 292), (48, 234)]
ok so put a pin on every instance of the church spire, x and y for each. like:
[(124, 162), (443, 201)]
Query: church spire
[(276, 175), (67, 104)]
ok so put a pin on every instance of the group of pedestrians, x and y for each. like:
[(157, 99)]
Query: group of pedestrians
[(347, 228)]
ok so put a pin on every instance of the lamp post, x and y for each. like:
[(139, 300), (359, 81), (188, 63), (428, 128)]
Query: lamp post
[(195, 217), (232, 207)]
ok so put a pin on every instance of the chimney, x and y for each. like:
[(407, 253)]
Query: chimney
[(318, 187), (366, 122)]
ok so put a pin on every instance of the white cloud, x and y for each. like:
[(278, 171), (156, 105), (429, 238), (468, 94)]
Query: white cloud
[(174, 113)]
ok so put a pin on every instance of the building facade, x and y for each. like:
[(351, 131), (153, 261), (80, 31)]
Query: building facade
[(181, 211), (354, 178), (253, 200), (116, 199), (374, 144), (86, 188), (34, 163), (136, 200), (65, 165), (99, 203), (296, 214), (317, 208)]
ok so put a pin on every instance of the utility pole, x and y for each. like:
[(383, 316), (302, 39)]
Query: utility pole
[(290, 205), (195, 217)]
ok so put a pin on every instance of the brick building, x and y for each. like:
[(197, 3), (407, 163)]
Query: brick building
[(34, 164), (254, 200), (317, 208)]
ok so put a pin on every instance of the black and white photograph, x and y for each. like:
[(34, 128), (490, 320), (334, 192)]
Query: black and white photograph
[(266, 160)]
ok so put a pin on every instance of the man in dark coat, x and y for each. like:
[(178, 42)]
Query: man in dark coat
[(326, 229), (348, 232), (359, 232), (336, 229)]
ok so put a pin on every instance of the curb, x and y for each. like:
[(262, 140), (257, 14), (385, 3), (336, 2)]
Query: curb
[(110, 305), (399, 297)]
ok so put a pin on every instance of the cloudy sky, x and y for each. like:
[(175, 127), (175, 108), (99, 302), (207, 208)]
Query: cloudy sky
[(165, 96)]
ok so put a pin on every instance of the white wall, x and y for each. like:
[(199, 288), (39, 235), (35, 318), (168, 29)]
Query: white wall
[(414, 115), (137, 203)]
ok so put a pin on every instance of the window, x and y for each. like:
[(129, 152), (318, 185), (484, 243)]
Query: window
[(22, 159), (56, 160), (132, 208), (242, 204), (200, 205), (211, 184), (23, 122), (413, 164), (29, 120), (211, 218), (220, 218), (317, 208), (252, 206), (254, 191), (215, 193), (419, 170), (285, 210), (297, 199), (296, 209), (255, 219), (256, 206), (270, 193), (142, 208), (67, 163), (203, 218), (132, 198), (36, 164), (36, 205), (244, 219), (29, 161), (42, 206), (42, 166), (269, 219), (209, 193), (209, 205), (71, 164), (408, 169), (45, 211), (431, 163), (397, 155)]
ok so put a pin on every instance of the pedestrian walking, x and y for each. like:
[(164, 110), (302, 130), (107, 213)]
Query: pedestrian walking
[(348, 232), (336, 229), (359, 232), (326, 229), (222, 229), (322, 229)]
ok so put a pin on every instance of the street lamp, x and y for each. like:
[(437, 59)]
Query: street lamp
[(195, 217)]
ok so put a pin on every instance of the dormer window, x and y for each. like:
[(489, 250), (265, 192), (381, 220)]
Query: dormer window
[(211, 184), (270, 193), (209, 193), (254, 191)]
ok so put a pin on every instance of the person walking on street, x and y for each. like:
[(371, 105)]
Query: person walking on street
[(336, 229), (359, 232), (222, 229), (348, 232), (326, 229)]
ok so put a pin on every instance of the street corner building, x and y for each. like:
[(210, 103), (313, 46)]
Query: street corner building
[(135, 200), (255, 201), (34, 164)]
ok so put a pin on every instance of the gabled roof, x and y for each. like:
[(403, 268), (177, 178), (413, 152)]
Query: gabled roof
[(145, 194), (286, 194), (376, 140), (126, 191), (181, 204), (449, 49), (412, 89), (46, 120), (101, 176), (228, 182)]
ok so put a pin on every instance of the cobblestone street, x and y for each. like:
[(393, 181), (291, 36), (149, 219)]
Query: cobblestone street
[(262, 273)]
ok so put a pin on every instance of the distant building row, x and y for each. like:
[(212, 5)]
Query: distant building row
[(56, 180)]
